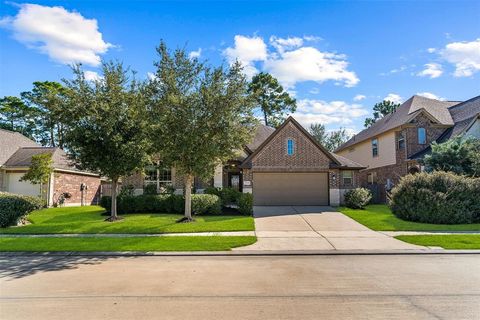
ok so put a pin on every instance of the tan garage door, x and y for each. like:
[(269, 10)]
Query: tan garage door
[(290, 189)]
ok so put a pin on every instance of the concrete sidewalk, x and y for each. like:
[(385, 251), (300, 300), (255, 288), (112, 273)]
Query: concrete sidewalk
[(316, 228)]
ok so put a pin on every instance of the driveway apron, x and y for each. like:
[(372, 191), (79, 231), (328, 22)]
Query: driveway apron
[(284, 228)]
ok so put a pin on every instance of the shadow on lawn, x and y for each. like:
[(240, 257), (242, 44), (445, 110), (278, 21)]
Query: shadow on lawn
[(15, 266)]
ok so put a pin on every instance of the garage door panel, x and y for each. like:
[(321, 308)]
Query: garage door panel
[(290, 188)]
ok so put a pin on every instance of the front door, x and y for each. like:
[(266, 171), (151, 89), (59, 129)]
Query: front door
[(234, 181)]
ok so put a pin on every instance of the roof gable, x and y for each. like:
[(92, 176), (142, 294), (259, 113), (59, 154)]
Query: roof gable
[(303, 132)]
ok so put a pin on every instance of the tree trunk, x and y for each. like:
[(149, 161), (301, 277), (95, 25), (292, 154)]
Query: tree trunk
[(188, 199), (113, 210), (265, 118)]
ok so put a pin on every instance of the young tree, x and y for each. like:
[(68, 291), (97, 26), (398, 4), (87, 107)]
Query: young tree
[(274, 102), (15, 115), (460, 155), (380, 110), (109, 128), (47, 99), (331, 140), (39, 172), (203, 115)]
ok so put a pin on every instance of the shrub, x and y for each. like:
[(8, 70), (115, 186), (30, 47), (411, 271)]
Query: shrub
[(14, 207), (126, 190), (227, 195), (245, 204), (163, 203), (206, 203), (357, 198), (150, 189), (438, 197)]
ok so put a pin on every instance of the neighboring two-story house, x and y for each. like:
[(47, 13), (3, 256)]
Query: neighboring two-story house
[(16, 153), (283, 166), (393, 146)]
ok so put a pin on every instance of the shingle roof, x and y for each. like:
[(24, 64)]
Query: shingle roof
[(463, 114), (10, 142), (261, 134), (347, 163), (410, 108), (23, 158)]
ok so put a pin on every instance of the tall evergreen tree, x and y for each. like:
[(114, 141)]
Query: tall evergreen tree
[(274, 102), (380, 110)]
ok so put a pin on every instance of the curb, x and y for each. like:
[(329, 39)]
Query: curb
[(239, 253)]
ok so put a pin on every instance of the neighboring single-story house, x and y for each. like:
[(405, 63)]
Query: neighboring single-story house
[(395, 144), (286, 166), (16, 153)]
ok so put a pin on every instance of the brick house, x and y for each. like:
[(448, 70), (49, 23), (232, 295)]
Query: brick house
[(285, 166), (16, 153), (393, 146)]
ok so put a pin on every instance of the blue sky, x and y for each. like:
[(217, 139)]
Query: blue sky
[(337, 58)]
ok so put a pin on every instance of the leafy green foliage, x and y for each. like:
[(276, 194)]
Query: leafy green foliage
[(164, 203), (380, 110), (245, 204), (357, 198), (150, 189), (48, 106), (14, 207), (40, 169), (274, 102), (227, 195), (202, 115), (108, 125), (460, 155), (331, 141), (437, 197), (15, 115)]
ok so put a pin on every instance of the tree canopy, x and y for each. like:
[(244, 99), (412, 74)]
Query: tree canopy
[(39, 171), (16, 115), (274, 102), (460, 155), (108, 128), (330, 140), (202, 115), (380, 110)]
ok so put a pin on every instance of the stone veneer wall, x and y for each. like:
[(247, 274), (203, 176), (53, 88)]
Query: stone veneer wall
[(70, 182)]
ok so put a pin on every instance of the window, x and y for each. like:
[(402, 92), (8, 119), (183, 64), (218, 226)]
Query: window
[(372, 178), (375, 147), (347, 178), (290, 147), (158, 175), (400, 141), (422, 136)]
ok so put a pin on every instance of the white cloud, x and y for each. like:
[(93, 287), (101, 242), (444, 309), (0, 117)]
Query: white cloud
[(247, 50), (289, 61), (282, 44), (431, 50), (432, 70), (66, 37), (151, 76), (334, 112), (310, 64), (195, 54), (312, 38), (430, 96), (359, 97), (395, 98), (92, 76), (464, 55)]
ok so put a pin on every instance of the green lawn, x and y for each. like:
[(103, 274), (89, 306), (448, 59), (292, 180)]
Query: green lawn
[(379, 217), (183, 243), (89, 219), (460, 241)]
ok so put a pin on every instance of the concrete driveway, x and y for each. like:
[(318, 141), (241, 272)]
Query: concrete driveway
[(316, 228)]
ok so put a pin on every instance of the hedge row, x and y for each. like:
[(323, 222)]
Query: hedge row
[(14, 207), (201, 204), (439, 197)]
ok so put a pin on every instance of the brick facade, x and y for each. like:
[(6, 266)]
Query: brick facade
[(70, 182), (274, 155), (433, 131)]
